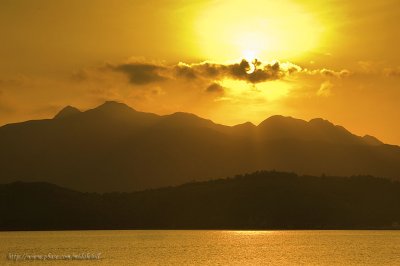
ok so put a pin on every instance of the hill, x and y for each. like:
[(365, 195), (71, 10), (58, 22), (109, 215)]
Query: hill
[(262, 200), (116, 148)]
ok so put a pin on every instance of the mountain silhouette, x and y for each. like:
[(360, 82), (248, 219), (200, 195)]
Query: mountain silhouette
[(116, 148), (67, 112)]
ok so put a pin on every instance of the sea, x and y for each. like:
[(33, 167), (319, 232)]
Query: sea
[(200, 247)]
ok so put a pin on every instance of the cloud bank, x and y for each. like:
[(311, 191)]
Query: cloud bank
[(140, 73)]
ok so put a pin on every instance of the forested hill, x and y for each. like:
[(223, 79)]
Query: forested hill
[(262, 200)]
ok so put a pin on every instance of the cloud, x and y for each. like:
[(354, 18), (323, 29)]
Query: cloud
[(325, 89), (252, 72), (185, 71), (378, 68), (392, 72), (215, 88), (331, 73), (327, 73), (140, 73), (367, 66)]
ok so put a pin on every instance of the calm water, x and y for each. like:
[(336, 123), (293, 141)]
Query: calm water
[(207, 247)]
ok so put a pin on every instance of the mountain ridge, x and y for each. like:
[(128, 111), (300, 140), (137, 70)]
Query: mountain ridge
[(115, 148), (118, 108)]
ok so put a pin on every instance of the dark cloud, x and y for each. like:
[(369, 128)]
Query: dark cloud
[(208, 69), (80, 75), (185, 71), (240, 70), (141, 73), (268, 72), (215, 88), (254, 72)]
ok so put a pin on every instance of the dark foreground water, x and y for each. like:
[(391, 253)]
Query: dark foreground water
[(200, 248)]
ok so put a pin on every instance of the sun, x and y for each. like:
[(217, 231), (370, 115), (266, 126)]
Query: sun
[(249, 55), (234, 29)]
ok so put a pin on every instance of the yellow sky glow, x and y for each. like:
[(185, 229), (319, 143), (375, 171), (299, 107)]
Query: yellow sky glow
[(231, 29), (247, 93)]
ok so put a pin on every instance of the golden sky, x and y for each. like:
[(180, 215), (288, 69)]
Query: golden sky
[(333, 59)]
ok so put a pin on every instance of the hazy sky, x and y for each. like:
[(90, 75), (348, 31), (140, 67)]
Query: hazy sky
[(333, 59)]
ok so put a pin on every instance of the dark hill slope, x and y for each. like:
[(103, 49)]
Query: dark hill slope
[(262, 200)]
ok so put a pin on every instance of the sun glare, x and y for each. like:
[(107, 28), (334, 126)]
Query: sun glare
[(230, 29)]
